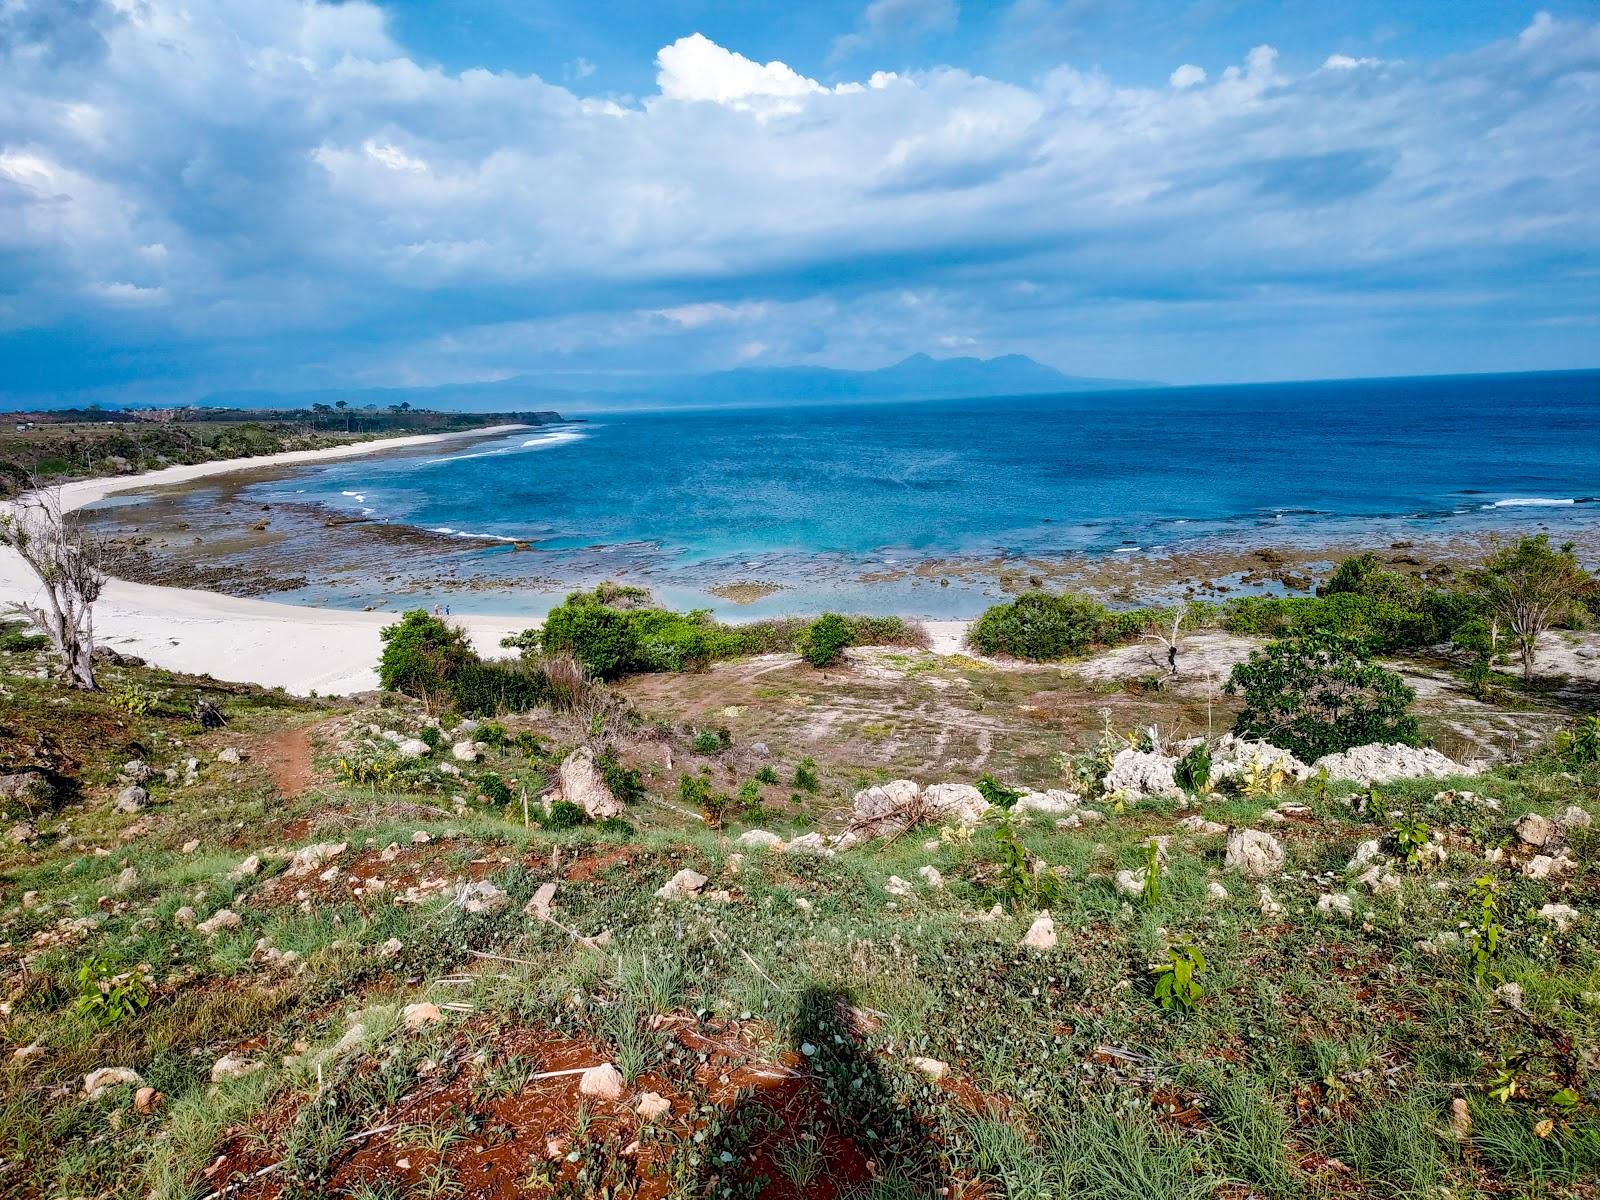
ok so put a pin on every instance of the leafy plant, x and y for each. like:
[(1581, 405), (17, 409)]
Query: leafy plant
[(1583, 743), (1531, 585), (626, 783), (826, 640), (1410, 837), (695, 791), (805, 775), (421, 656), (108, 995), (135, 699), (564, 814), (372, 771), (494, 789), (997, 793), (1178, 984), (766, 775), (1193, 772), (712, 741), (1041, 627), (1483, 936), (1150, 894), (1319, 695)]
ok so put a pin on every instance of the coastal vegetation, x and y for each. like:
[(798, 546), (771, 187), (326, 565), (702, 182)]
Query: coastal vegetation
[(674, 941)]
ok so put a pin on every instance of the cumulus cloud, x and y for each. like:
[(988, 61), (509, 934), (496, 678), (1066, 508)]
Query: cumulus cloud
[(262, 189)]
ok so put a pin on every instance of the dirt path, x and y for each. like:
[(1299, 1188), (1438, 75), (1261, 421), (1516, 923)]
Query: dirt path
[(288, 758)]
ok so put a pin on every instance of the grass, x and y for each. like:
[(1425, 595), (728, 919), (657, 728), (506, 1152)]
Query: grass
[(782, 1035)]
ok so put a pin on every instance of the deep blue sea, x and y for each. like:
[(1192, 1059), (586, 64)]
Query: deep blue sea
[(817, 497)]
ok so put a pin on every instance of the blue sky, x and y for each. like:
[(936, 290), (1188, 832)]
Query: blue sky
[(217, 194)]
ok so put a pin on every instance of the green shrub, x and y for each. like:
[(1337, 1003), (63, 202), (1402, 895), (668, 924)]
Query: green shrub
[(1193, 772), (805, 775), (1319, 695), (626, 783), (17, 638), (712, 741), (611, 642), (564, 814), (826, 640), (1041, 627), (422, 656), (997, 793), (483, 689)]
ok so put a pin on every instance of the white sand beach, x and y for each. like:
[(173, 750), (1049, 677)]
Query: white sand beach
[(301, 649)]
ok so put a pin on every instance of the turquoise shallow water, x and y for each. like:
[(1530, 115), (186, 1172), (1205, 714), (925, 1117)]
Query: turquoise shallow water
[(814, 497)]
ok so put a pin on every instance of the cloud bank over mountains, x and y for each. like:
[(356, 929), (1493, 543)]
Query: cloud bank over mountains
[(253, 192)]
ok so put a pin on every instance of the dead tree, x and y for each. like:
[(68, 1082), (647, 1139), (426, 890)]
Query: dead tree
[(1170, 641), (66, 561)]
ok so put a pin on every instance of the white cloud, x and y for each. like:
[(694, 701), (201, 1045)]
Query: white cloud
[(1343, 62), (886, 21), (301, 173), (1187, 76)]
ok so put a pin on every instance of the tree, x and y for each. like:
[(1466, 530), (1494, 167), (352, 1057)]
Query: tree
[(1529, 586), (66, 561), (422, 656), (1319, 695)]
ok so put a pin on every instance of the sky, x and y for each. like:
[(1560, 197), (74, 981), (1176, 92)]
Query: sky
[(210, 195)]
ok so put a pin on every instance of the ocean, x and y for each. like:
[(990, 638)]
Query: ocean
[(837, 504)]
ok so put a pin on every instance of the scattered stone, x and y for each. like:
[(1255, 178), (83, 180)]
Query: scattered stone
[(1198, 824), (1254, 853), (1382, 762), (184, 917), (1130, 883), (539, 906), (126, 881), (1545, 866), (22, 833), (1380, 882), (309, 860), (191, 846), (931, 1069), (896, 886), (1559, 915), (481, 896), (1234, 756), (102, 1078), (802, 904), (411, 748), (1041, 934), (1460, 1120), (416, 1016), (1047, 804), (760, 839), (1269, 903), (136, 771), (1216, 891), (28, 788), (1335, 904), (930, 875), (685, 885), (233, 1066), (1537, 831), (146, 1100), (231, 756), (603, 1082), (652, 1105), (1365, 853), (223, 918), (421, 837), (26, 1054), (250, 866), (885, 808), (464, 752), (131, 799), (810, 843), (1576, 818), (1511, 993)]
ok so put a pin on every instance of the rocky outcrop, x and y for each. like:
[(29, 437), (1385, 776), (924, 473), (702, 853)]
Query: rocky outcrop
[(579, 782), (1141, 773), (1234, 756), (1253, 853), (958, 802), (1382, 762)]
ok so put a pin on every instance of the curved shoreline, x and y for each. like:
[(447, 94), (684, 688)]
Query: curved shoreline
[(298, 648)]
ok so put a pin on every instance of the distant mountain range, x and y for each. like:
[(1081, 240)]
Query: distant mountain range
[(920, 377)]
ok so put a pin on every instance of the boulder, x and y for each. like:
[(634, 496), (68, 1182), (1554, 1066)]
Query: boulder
[(685, 885), (580, 782), (1382, 762), (250, 866), (231, 756), (1041, 934), (131, 799), (1198, 824), (1235, 756), (652, 1105), (931, 1069), (1559, 915), (884, 808), (464, 752), (930, 875), (27, 788), (411, 748), (1537, 831), (1253, 853), (1140, 773), (896, 886), (1053, 803), (482, 896), (234, 1066), (223, 918), (415, 1016), (603, 1082), (1216, 891), (809, 843), (101, 1078), (958, 802), (760, 839), (309, 860)]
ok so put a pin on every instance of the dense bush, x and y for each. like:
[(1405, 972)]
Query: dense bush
[(1319, 694), (422, 656), (487, 689), (613, 631), (1041, 627), (826, 640)]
